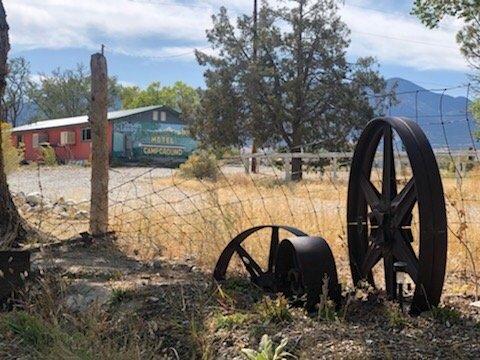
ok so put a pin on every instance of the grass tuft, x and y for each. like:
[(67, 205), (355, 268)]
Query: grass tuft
[(274, 310)]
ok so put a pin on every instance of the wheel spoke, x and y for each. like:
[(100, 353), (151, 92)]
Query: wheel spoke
[(252, 267), (273, 249), (372, 257), (404, 202), (389, 183), (404, 252), (370, 191)]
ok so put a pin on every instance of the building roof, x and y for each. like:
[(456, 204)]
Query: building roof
[(78, 120)]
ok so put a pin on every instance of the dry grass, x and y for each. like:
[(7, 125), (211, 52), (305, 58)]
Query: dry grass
[(198, 218), (181, 218)]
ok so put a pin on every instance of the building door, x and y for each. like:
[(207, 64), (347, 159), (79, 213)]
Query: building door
[(128, 150)]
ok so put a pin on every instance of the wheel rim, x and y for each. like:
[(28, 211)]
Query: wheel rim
[(379, 221), (262, 277)]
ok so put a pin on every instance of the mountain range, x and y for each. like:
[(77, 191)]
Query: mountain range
[(444, 118), (432, 110)]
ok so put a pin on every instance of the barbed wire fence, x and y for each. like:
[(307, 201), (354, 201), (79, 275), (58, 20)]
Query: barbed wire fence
[(155, 211)]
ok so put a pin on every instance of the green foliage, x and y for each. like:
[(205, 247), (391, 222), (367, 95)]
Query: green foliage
[(326, 307), (178, 96), (431, 13), (66, 93), (48, 155), (118, 295), (475, 109), (445, 314), (300, 89), (396, 318), (11, 155), (274, 310), (15, 97), (230, 321), (267, 351), (200, 165), (31, 329)]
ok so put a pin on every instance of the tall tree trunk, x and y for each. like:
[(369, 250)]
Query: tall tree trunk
[(99, 121), (12, 227), (297, 163)]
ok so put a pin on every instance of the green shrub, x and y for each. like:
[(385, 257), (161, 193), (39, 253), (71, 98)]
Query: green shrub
[(445, 314), (48, 155), (396, 319), (32, 330), (274, 310), (230, 321), (200, 165), (267, 351), (12, 156)]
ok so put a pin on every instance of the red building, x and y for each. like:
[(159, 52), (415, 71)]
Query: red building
[(71, 137)]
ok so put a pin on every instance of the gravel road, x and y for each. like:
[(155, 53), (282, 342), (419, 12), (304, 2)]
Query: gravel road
[(73, 182)]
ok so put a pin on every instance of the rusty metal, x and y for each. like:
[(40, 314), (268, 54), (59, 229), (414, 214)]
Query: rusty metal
[(14, 268), (262, 277), (304, 263), (380, 220), (297, 266)]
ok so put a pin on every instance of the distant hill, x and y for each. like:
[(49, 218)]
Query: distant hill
[(29, 111), (427, 114), (418, 103)]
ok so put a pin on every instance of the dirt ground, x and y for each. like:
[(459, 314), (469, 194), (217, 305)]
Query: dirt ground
[(189, 316)]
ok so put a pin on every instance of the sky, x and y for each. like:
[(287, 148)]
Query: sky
[(153, 40)]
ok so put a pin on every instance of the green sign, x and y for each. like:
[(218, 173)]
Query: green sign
[(151, 141)]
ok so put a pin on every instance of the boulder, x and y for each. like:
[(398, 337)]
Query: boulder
[(34, 199), (60, 201), (81, 215), (84, 293), (19, 198)]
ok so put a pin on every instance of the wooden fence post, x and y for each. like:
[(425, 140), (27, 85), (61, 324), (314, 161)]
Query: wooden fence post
[(334, 169), (100, 151), (288, 167)]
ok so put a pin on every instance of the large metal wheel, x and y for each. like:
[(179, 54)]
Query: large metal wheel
[(380, 221), (264, 278)]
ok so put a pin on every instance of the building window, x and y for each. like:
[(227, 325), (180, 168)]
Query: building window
[(67, 138), (20, 140), (163, 116), (155, 115), (86, 134), (39, 139), (35, 141)]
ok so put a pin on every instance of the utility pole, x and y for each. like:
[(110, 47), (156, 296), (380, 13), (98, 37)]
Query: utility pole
[(254, 57)]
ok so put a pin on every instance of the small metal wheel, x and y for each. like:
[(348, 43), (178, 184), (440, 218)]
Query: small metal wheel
[(302, 265), (380, 221), (262, 278)]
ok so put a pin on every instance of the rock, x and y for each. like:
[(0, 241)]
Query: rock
[(34, 199), (153, 299), (70, 203), (63, 215), (155, 264), (19, 198), (475, 304), (81, 215), (84, 293)]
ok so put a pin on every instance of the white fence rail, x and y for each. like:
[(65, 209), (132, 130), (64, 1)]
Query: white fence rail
[(460, 159)]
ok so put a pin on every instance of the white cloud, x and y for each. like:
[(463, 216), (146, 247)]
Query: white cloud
[(402, 40), (132, 26)]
